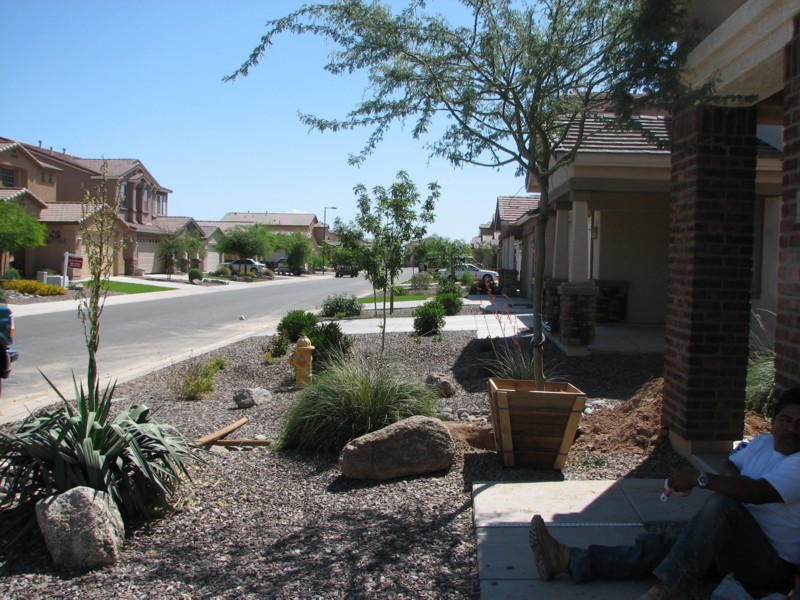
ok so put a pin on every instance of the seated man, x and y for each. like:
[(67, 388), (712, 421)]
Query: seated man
[(749, 527)]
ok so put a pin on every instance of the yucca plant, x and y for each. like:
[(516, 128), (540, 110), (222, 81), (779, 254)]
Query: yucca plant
[(137, 461), (351, 397), (514, 359)]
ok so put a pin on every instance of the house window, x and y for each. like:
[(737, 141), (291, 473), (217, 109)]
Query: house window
[(123, 195), (161, 204), (146, 200), (9, 177)]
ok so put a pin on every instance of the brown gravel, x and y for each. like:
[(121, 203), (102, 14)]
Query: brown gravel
[(259, 524)]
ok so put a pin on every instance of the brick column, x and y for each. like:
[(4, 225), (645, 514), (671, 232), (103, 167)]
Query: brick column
[(578, 305), (787, 329), (709, 276)]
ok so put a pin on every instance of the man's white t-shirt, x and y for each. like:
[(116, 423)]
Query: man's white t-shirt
[(779, 521)]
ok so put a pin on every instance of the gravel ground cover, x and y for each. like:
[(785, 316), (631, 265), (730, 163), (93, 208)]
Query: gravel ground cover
[(260, 524)]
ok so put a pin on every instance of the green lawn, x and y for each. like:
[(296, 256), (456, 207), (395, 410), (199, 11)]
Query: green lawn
[(404, 298), (133, 288)]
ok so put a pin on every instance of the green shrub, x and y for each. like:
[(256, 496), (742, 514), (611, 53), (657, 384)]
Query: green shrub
[(268, 273), (223, 271), (341, 304), (451, 301), (352, 397), (449, 287), (199, 378), (37, 288), (10, 273), (276, 349), (466, 279), (137, 461), (296, 323), (195, 274), (429, 318), (328, 341), (421, 281)]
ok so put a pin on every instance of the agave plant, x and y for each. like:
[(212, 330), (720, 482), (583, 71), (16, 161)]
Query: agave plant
[(137, 461)]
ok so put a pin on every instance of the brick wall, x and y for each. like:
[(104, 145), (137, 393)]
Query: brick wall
[(787, 331), (709, 273)]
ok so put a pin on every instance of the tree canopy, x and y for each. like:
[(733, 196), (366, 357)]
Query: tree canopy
[(516, 83), (247, 242), (18, 229)]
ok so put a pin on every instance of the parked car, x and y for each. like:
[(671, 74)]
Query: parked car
[(247, 266), (7, 353), (283, 268), (345, 270), (476, 272)]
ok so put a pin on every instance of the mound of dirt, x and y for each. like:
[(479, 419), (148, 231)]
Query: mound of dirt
[(635, 425)]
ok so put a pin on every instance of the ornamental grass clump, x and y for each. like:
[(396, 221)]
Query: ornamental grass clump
[(351, 397)]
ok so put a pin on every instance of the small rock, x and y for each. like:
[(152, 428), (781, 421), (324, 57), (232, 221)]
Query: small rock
[(247, 397), (443, 383)]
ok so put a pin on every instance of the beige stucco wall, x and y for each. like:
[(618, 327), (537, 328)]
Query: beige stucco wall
[(40, 182), (632, 246)]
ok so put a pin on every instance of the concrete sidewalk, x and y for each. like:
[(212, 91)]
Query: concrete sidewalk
[(578, 513)]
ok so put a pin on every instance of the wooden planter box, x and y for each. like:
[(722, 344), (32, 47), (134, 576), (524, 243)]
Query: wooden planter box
[(532, 428)]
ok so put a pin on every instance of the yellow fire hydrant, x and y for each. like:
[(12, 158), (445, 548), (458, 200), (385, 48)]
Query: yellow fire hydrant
[(301, 361)]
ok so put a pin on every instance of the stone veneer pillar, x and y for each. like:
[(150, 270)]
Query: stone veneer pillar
[(578, 304), (709, 277), (787, 330)]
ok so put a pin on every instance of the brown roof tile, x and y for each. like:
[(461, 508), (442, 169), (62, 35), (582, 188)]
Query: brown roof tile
[(511, 208)]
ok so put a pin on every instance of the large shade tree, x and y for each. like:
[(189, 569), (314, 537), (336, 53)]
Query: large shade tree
[(513, 79), (18, 229)]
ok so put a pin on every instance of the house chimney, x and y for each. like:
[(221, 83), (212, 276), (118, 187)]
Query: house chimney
[(63, 151), (40, 143)]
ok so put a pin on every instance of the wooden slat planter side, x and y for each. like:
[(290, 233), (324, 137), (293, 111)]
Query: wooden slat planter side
[(532, 428)]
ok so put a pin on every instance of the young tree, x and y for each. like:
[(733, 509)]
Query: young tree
[(392, 220), (176, 246), (18, 229), (446, 252), (247, 242), (297, 247), (517, 83)]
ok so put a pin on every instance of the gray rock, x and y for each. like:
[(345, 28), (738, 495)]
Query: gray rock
[(413, 446), (443, 383), (247, 397), (82, 528)]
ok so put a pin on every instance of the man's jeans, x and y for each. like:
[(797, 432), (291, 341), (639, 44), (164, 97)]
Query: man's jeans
[(723, 532)]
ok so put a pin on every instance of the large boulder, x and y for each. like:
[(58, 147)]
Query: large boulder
[(82, 528), (413, 446)]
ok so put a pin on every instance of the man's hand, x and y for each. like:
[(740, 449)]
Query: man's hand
[(744, 489)]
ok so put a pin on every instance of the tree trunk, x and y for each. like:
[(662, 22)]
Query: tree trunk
[(540, 242)]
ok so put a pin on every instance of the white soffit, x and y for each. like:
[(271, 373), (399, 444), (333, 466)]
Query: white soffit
[(746, 51)]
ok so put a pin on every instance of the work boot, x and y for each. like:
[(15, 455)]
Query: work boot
[(661, 591), (552, 557)]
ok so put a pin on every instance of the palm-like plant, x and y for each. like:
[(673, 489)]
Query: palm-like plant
[(137, 461)]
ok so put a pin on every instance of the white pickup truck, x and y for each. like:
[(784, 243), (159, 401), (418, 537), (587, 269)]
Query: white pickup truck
[(476, 272)]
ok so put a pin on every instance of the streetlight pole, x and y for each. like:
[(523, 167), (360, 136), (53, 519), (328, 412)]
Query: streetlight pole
[(325, 233)]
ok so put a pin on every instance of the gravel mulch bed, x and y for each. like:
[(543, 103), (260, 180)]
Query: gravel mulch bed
[(258, 524)]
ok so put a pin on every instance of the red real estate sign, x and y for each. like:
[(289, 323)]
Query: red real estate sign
[(75, 262)]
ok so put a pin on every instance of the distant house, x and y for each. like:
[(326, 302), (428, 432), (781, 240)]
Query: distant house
[(60, 178)]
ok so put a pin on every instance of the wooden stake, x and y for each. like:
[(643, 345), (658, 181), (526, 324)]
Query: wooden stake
[(221, 433)]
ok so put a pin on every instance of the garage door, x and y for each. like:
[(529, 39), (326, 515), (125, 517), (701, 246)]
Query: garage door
[(148, 250)]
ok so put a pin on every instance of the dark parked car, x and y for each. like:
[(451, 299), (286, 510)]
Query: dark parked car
[(344, 270), (7, 353)]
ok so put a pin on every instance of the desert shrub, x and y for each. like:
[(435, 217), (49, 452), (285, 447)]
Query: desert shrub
[(222, 271), (10, 273), (449, 287), (328, 341), (429, 318), (451, 301), (350, 398), (195, 274), (137, 461), (399, 290), (513, 359), (199, 378), (276, 349), (37, 288), (466, 279), (268, 273), (341, 304), (421, 281), (296, 323), (760, 382)]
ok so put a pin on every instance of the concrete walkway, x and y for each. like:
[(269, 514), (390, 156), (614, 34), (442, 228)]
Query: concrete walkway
[(578, 513)]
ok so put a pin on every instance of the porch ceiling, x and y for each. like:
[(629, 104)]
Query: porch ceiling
[(745, 51)]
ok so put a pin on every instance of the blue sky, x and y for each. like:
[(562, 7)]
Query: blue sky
[(143, 80)]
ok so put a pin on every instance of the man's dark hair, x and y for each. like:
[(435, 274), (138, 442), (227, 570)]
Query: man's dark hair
[(790, 396)]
